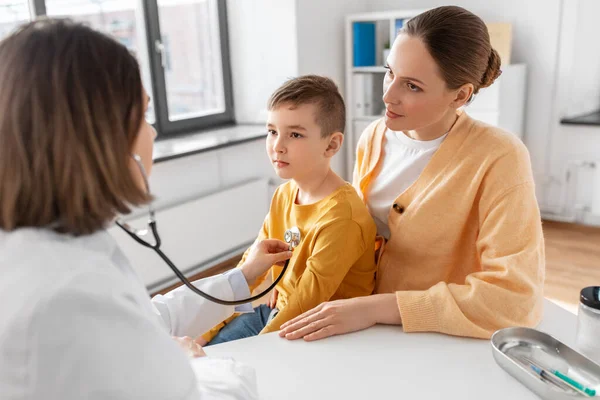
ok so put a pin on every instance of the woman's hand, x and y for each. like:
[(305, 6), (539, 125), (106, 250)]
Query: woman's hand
[(342, 316), (188, 345), (262, 256), (328, 319)]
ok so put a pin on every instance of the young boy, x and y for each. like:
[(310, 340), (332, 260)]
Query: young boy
[(335, 258)]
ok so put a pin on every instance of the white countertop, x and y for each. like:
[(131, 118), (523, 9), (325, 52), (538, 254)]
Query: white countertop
[(383, 362)]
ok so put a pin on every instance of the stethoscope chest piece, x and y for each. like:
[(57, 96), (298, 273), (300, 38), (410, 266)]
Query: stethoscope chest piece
[(292, 237)]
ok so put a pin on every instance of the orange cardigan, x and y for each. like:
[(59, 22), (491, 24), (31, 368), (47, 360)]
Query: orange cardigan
[(466, 251)]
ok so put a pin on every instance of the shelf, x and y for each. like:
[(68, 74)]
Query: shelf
[(592, 118), (371, 70), (385, 15)]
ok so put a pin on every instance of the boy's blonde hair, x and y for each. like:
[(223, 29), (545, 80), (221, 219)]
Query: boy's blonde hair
[(317, 90)]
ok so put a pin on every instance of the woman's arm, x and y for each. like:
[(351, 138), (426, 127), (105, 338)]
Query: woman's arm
[(343, 316)]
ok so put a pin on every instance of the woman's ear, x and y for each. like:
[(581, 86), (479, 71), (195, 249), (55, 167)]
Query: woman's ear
[(336, 140), (463, 95)]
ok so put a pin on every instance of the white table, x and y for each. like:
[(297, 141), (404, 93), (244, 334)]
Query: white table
[(383, 362)]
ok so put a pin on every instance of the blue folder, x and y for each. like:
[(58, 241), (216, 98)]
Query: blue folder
[(399, 24), (363, 44)]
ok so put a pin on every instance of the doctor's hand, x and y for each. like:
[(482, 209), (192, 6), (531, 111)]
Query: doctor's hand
[(188, 345), (262, 256)]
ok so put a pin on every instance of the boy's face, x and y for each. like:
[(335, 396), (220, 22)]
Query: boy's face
[(294, 143)]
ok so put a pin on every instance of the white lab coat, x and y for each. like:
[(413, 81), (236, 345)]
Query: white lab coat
[(77, 323)]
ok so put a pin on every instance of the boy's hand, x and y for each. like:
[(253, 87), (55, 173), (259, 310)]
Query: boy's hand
[(262, 256), (201, 341), (273, 299)]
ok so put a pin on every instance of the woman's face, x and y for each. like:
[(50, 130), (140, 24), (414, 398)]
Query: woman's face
[(414, 92), (144, 143)]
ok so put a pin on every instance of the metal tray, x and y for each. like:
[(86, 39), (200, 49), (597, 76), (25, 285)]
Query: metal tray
[(515, 349)]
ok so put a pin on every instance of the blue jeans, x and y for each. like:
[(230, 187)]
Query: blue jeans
[(246, 325)]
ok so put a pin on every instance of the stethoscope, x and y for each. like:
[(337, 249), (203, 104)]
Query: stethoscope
[(291, 236)]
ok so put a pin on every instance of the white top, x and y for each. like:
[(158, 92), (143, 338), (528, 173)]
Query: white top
[(403, 161), (77, 323), (383, 362)]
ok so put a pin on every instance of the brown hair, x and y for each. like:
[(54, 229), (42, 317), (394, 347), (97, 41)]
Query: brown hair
[(71, 104), (459, 42), (318, 90)]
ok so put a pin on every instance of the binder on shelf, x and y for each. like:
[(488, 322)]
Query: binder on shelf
[(367, 101), (398, 25), (363, 44), (359, 94)]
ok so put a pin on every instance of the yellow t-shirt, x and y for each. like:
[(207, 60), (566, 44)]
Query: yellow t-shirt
[(335, 258)]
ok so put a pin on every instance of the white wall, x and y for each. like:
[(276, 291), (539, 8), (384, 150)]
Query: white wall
[(320, 33), (263, 49), (320, 27)]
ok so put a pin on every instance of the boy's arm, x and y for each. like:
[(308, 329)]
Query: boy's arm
[(337, 247)]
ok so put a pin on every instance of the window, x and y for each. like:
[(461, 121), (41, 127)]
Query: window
[(12, 14), (181, 46), (191, 55), (121, 19), (194, 80)]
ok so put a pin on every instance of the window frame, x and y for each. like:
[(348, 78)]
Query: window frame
[(177, 127), (162, 124)]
